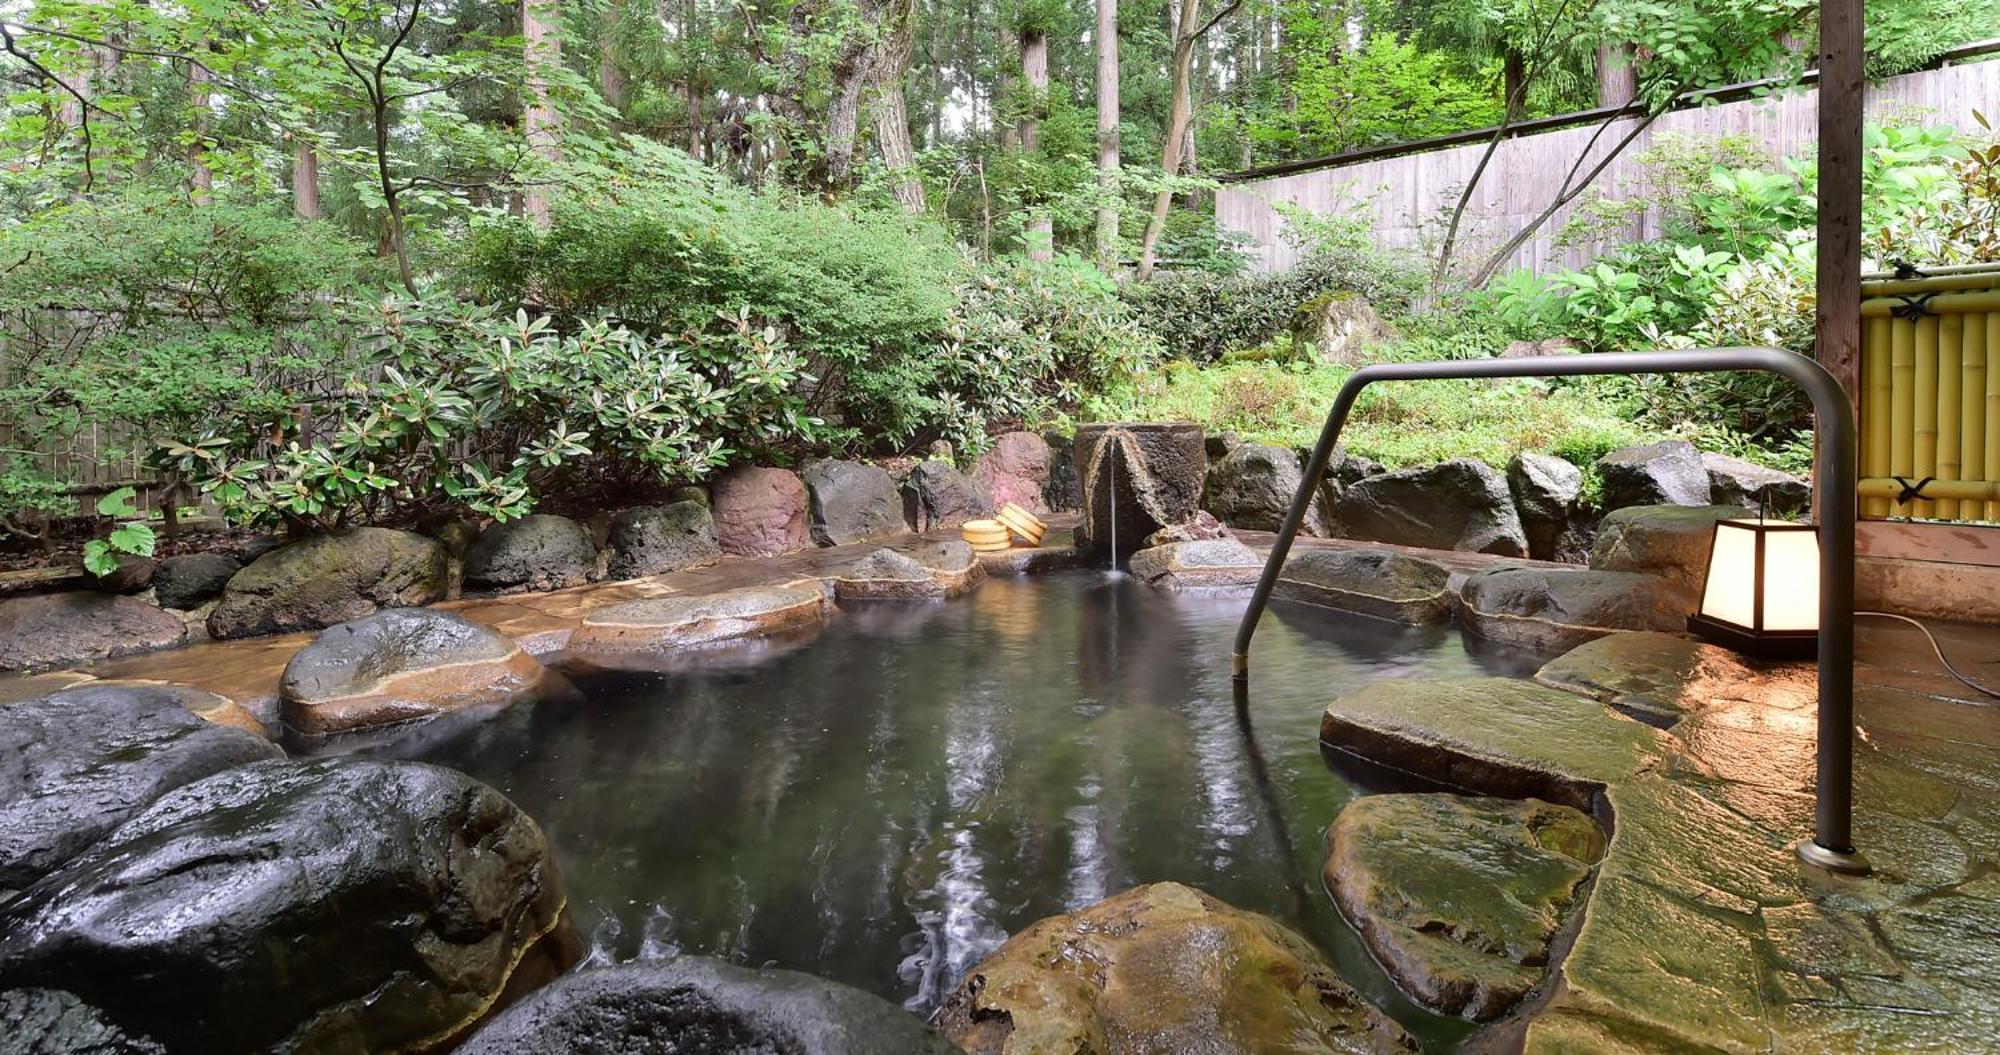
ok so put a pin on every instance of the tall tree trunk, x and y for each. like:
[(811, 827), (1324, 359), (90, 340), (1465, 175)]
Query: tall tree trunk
[(201, 178), (891, 107), (1035, 74), (542, 52), (1514, 84), (305, 180), (692, 83), (1617, 76), (1003, 85), (1179, 115), (611, 79), (1107, 133)]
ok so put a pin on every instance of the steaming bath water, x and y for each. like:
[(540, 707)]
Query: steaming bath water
[(883, 804)]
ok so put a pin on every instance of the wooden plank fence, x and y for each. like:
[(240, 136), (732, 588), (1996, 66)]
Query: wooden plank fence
[(1410, 194)]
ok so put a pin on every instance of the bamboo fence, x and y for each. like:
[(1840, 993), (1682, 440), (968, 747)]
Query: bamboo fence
[(1930, 402)]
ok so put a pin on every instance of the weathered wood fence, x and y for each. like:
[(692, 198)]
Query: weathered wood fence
[(1411, 189)]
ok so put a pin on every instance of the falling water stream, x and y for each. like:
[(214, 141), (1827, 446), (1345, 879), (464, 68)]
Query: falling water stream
[(884, 804)]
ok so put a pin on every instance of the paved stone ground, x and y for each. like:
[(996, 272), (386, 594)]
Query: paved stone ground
[(1703, 932)]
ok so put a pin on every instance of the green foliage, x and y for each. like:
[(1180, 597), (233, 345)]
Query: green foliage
[(133, 537), (1389, 91), (458, 406)]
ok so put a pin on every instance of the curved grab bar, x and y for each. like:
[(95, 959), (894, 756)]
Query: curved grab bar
[(1832, 844)]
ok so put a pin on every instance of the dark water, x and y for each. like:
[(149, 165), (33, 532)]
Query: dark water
[(883, 804)]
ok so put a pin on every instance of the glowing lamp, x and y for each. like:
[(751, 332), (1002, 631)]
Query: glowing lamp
[(1761, 594)]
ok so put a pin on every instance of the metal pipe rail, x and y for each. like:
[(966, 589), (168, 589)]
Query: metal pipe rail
[(1832, 844)]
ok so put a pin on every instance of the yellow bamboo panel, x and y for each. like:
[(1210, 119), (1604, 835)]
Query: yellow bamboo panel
[(1902, 401), (1993, 406), (1923, 448), (1950, 368), (1875, 403), (1964, 490), (1972, 412)]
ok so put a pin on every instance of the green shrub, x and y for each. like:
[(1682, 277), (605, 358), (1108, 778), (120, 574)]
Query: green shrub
[(459, 407)]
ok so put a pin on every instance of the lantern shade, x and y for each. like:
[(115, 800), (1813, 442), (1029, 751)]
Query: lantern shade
[(1761, 593)]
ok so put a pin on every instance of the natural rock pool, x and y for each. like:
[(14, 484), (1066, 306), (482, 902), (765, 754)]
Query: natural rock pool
[(883, 804)]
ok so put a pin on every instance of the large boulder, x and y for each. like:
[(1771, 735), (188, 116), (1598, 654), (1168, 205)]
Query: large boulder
[(1460, 504), (1672, 541), (77, 763), (1016, 470), (60, 629), (1339, 327), (1162, 968), (934, 571), (402, 665), (1199, 528), (539, 551), (1252, 486), (1135, 479), (696, 1004), (1545, 490), (759, 511), (190, 580), (1557, 609), (1668, 473), (1459, 897), (655, 540), (337, 905), (52, 1022), (937, 495), (1204, 564), (328, 579), (131, 573), (1380, 583), (852, 502), (1733, 481), (1662, 679), (638, 631)]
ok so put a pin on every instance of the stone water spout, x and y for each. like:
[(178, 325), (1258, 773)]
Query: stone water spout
[(1137, 477)]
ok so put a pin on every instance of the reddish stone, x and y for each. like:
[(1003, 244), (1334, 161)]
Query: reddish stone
[(1016, 470), (760, 512)]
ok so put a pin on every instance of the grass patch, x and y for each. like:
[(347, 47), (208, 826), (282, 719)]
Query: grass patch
[(1405, 423)]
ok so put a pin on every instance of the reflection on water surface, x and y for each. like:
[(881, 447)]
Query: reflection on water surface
[(884, 804)]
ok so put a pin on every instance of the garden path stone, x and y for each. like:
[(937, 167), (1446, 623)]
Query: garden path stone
[(1673, 541), (1669, 472), (328, 579), (636, 630), (1459, 897), (852, 502), (1016, 470), (933, 571), (402, 665), (1162, 968), (1456, 505), (1252, 486), (1545, 490), (329, 905), (654, 540), (1158, 470), (759, 511), (1380, 583), (937, 495), (1553, 609), (190, 580), (1203, 564), (1660, 678), (698, 1004), (62, 629), (539, 551), (1733, 481), (1493, 736), (77, 763)]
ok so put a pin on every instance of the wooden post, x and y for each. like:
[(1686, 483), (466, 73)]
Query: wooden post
[(1841, 83), (1837, 325)]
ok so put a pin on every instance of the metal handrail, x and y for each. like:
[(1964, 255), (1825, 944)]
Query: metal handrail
[(1832, 844)]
